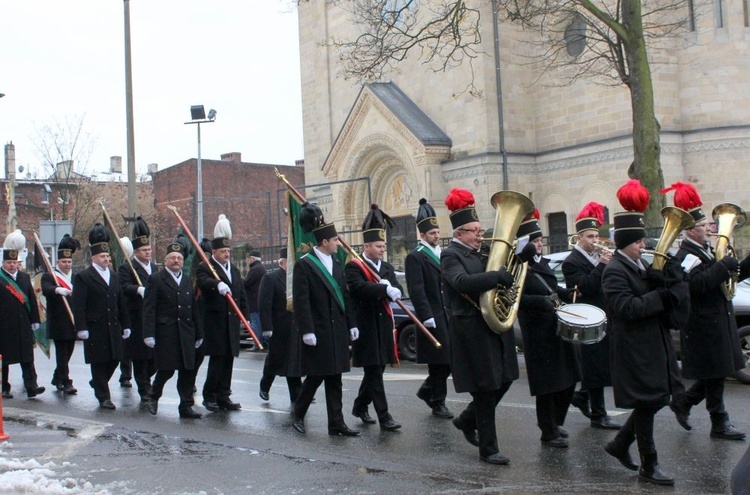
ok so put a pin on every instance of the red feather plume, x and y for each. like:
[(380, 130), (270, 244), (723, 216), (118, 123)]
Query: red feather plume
[(685, 195), (534, 214), (592, 210), (633, 196), (459, 198)]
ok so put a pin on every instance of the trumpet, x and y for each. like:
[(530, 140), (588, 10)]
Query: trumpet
[(599, 247)]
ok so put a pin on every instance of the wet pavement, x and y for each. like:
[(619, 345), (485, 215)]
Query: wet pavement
[(255, 450)]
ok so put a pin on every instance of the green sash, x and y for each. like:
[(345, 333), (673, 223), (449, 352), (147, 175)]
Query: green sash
[(319, 265), (14, 289), (429, 253)]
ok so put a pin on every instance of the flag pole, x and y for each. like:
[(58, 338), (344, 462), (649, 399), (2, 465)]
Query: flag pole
[(205, 260), (119, 243), (52, 273), (356, 255)]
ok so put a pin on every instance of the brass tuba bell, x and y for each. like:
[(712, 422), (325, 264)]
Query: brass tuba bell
[(500, 305), (675, 221), (728, 217)]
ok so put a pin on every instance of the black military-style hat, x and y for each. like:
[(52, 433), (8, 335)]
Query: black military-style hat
[(141, 233), (67, 247), (99, 239), (426, 217), (374, 225)]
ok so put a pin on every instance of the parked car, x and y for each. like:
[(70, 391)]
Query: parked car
[(741, 304)]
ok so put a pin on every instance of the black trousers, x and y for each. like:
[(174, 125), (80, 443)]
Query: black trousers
[(185, 382), (551, 410), (218, 384), (480, 415), (595, 397), (435, 385), (28, 373), (63, 351), (294, 383), (126, 370), (640, 427), (101, 373), (143, 370), (334, 396), (712, 390), (372, 390)]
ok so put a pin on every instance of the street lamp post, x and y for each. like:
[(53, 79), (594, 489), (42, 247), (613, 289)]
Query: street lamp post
[(198, 116)]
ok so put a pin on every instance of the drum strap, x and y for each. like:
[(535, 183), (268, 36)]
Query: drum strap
[(544, 282)]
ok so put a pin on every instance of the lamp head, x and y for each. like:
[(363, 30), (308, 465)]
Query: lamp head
[(211, 115)]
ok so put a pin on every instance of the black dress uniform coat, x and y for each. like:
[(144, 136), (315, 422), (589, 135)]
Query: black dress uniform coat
[(425, 294), (100, 309), (134, 348), (221, 325), (481, 359), (171, 318), (16, 337), (375, 346), (59, 326), (579, 271), (710, 343), (641, 351), (550, 361), (317, 310), (275, 318)]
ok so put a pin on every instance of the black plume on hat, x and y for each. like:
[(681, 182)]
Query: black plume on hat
[(68, 242), (182, 239), (206, 245), (141, 233), (310, 217), (181, 245), (98, 234), (426, 217), (377, 219)]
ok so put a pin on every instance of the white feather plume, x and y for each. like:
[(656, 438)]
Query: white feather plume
[(127, 246), (222, 228), (15, 240)]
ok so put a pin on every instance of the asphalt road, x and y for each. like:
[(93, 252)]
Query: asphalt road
[(256, 450)]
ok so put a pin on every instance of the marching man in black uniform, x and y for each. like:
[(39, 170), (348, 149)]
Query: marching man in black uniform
[(19, 317), (423, 282), (134, 350), (641, 352), (59, 325), (371, 300), (710, 344), (483, 363), (221, 324), (550, 361), (324, 317), (583, 269), (276, 322), (102, 319), (173, 329)]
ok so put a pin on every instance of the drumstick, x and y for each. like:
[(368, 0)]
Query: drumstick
[(575, 294), (569, 313)]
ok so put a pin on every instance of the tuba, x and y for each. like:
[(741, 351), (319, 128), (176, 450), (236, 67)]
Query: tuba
[(500, 305), (675, 221), (727, 217)]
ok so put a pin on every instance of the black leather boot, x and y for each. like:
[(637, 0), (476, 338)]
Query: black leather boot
[(621, 451), (722, 428), (651, 472)]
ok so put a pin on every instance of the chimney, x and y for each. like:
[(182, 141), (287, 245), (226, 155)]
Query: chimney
[(115, 164), (232, 156), (10, 159), (152, 168), (299, 163), (64, 169)]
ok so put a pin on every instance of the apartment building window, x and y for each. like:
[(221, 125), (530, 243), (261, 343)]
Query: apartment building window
[(46, 194)]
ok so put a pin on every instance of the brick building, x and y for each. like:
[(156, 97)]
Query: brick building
[(249, 194)]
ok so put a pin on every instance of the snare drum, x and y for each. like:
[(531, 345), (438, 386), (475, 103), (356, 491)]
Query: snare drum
[(588, 326)]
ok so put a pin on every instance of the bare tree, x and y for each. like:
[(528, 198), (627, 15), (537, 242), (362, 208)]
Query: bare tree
[(64, 148), (614, 37)]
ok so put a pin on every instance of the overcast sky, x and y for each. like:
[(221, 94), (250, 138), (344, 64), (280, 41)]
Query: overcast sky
[(61, 59)]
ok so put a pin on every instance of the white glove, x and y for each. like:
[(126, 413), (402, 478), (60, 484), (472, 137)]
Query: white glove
[(126, 333), (267, 334), (384, 281), (393, 293), (310, 339), (141, 291), (430, 323), (224, 289), (198, 343), (35, 326), (83, 334), (354, 333), (150, 342), (62, 291)]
